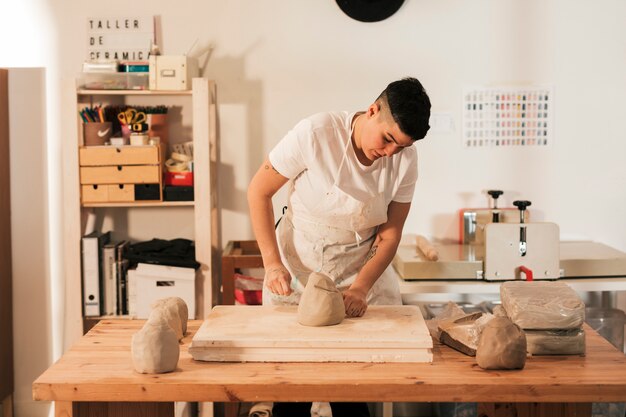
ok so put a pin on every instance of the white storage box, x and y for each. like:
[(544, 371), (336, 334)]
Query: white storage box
[(172, 72), (148, 283)]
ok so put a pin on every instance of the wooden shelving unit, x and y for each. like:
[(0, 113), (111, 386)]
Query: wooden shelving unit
[(142, 204), (84, 92), (200, 104)]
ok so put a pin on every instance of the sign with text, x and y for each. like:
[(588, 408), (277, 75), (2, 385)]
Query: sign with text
[(120, 38)]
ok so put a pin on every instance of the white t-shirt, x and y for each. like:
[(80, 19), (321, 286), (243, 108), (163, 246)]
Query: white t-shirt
[(311, 153)]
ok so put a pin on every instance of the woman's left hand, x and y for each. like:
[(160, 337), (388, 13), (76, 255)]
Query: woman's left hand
[(355, 303)]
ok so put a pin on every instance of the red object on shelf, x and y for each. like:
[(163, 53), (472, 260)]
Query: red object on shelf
[(179, 178)]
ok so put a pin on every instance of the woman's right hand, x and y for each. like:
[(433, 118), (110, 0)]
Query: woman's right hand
[(278, 280)]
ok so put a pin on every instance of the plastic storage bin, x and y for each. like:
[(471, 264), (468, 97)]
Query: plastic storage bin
[(148, 283), (113, 81)]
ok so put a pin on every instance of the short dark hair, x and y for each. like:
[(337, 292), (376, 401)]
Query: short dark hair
[(409, 106)]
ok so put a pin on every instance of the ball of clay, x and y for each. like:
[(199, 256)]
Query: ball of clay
[(155, 348), (181, 306), (170, 314), (321, 303), (502, 345)]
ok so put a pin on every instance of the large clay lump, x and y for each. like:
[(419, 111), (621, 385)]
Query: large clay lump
[(321, 303), (502, 345)]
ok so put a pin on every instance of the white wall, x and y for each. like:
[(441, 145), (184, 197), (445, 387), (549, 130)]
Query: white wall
[(271, 72), (278, 61)]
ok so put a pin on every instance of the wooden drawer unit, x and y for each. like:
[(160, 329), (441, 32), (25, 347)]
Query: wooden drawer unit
[(121, 174), (118, 155), (110, 174), (94, 193), (108, 193)]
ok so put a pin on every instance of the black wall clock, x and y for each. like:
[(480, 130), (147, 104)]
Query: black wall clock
[(369, 10)]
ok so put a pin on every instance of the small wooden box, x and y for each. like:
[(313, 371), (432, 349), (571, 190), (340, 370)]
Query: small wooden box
[(112, 193), (119, 155), (120, 174), (94, 193), (121, 193)]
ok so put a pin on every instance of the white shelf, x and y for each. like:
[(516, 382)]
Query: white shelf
[(82, 92), (143, 204)]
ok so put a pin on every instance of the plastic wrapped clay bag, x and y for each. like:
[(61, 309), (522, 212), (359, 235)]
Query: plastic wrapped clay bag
[(541, 305), (502, 345), (321, 303), (154, 348), (463, 333), (556, 342), (450, 311), (180, 306)]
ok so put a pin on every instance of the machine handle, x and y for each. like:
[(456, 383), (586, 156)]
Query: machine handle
[(521, 205), (527, 271), (495, 194)]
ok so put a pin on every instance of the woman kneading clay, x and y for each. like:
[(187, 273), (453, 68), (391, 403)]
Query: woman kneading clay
[(351, 179)]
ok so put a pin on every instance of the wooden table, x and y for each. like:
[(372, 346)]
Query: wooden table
[(96, 376)]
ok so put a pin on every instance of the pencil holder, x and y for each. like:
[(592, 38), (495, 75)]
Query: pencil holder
[(97, 133), (159, 127)]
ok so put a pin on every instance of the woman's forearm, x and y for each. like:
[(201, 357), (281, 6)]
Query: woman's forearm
[(262, 217), (260, 192), (378, 259), (384, 247)]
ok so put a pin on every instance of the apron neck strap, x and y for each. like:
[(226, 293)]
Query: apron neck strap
[(345, 153)]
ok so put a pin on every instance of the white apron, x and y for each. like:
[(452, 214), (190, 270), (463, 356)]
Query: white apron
[(334, 238)]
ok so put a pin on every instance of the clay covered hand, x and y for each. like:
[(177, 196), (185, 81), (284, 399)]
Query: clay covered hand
[(321, 303), (278, 280), (502, 345), (355, 302)]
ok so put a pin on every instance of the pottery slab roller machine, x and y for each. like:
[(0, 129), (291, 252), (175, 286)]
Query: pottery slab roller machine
[(502, 244)]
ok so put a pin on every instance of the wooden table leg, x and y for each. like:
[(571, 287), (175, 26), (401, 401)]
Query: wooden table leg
[(63, 409), (534, 409), (387, 409)]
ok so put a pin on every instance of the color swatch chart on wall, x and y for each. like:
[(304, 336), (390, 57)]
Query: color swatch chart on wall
[(507, 116)]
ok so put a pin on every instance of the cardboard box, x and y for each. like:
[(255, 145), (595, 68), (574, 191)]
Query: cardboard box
[(172, 72), (148, 283)]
